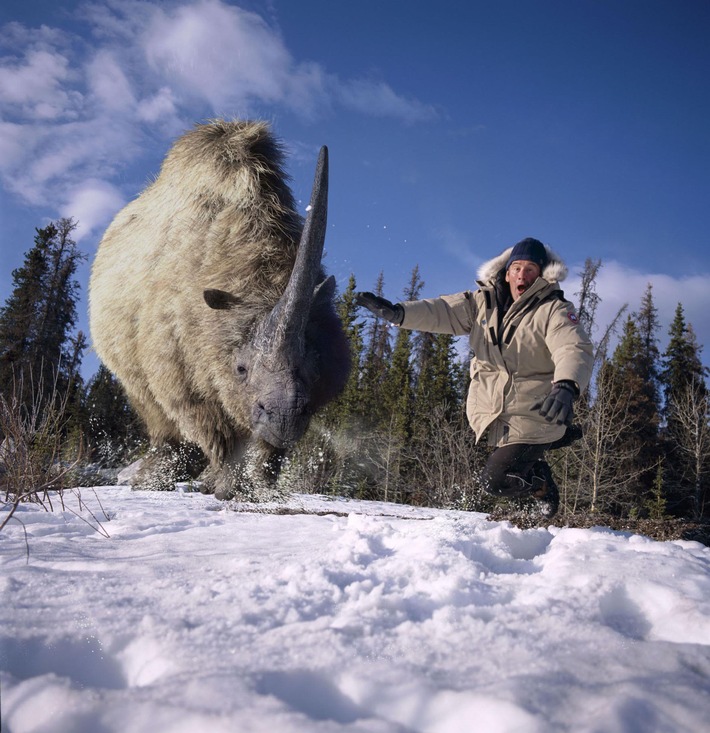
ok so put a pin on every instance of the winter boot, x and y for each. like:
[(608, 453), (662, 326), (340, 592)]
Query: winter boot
[(545, 490)]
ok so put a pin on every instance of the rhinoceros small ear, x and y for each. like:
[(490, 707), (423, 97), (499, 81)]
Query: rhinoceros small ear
[(220, 299)]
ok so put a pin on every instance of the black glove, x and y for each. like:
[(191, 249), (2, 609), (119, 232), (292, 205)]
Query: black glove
[(558, 404), (381, 307)]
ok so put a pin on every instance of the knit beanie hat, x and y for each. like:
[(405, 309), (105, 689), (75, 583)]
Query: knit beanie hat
[(532, 250)]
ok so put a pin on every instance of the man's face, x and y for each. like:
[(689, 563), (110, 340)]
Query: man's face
[(520, 276)]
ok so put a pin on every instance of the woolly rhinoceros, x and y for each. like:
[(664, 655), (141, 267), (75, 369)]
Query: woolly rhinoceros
[(209, 303)]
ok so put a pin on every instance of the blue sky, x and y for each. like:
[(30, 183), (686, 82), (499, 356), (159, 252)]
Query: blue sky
[(455, 129)]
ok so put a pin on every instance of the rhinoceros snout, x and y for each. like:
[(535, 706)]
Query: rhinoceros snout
[(279, 425)]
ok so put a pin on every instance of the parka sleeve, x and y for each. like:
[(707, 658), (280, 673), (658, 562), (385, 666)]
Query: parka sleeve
[(452, 314), (570, 346)]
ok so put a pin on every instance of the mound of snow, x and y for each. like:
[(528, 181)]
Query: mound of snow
[(338, 615)]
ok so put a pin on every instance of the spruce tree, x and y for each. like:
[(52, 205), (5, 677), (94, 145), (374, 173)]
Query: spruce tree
[(632, 386), (424, 374), (397, 392), (448, 375), (687, 433), (648, 327), (440, 383), (37, 357), (378, 351), (587, 296), (74, 390), (682, 365), (114, 428), (344, 411), (19, 316), (398, 402), (648, 367)]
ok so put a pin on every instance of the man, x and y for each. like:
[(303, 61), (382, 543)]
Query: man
[(531, 361)]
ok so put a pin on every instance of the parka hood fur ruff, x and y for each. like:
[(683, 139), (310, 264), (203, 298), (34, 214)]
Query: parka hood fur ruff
[(555, 270)]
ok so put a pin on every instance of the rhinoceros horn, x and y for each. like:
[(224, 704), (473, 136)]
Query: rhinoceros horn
[(285, 326)]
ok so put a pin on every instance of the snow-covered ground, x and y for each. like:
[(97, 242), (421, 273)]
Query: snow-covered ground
[(359, 617)]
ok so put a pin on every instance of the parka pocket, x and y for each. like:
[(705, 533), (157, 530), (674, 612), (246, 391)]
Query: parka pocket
[(523, 394)]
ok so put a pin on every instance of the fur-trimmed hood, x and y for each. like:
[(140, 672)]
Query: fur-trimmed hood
[(555, 270)]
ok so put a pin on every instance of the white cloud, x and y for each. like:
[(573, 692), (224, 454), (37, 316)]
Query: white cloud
[(618, 285), (159, 106), (77, 109), (108, 83), (32, 87), (92, 204), (380, 100), (118, 23), (18, 38), (227, 56), (12, 150), (43, 161)]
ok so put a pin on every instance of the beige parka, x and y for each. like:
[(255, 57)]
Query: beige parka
[(538, 341)]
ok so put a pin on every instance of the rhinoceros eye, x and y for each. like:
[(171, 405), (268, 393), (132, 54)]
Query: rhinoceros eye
[(241, 371)]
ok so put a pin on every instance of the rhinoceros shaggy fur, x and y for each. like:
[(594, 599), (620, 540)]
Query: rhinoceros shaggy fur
[(209, 303)]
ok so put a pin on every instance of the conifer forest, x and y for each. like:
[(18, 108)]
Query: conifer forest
[(398, 432)]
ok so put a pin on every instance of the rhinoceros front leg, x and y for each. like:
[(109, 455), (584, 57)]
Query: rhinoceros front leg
[(249, 473)]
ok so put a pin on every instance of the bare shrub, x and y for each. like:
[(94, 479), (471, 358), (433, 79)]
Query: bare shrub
[(691, 441), (449, 464), (36, 464), (594, 471)]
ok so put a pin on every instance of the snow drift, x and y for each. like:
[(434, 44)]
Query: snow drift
[(356, 616)]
